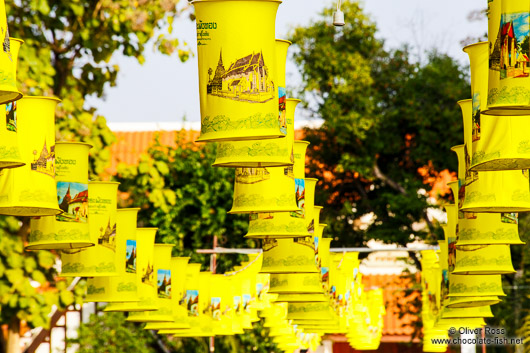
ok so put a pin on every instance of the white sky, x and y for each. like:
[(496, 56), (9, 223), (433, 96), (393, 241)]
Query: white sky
[(165, 90)]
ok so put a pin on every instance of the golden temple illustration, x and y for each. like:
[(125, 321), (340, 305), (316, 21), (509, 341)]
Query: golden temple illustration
[(45, 162)]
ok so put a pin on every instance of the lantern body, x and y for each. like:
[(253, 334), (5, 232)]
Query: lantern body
[(145, 277), (30, 190), (509, 81), (123, 287), (161, 280), (288, 255), (8, 61), (276, 152), (238, 78), (68, 230), (483, 260), (10, 156), (99, 260)]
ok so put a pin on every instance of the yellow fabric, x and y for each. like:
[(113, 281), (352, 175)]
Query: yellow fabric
[(162, 298), (228, 111), (508, 84), (121, 288), (70, 229), (30, 190), (145, 239)]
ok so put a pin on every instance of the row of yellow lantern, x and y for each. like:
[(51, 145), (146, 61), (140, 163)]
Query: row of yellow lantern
[(493, 181)]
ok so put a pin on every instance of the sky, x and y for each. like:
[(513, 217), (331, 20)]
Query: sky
[(164, 91)]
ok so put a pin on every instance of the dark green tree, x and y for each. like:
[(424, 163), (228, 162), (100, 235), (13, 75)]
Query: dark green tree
[(385, 120)]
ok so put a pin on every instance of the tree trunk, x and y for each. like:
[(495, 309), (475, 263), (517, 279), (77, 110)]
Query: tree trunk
[(13, 336)]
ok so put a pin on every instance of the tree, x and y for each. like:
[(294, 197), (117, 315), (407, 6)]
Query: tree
[(386, 120), (68, 52)]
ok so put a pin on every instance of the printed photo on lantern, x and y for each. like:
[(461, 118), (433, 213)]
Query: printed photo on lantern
[(163, 284), (130, 256), (73, 201)]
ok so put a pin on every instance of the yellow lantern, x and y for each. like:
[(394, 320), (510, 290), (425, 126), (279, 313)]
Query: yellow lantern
[(288, 255), (262, 289), (162, 281), (238, 80), (498, 191), (30, 190), (121, 288), (285, 224), (220, 304), (468, 302), (313, 311), (8, 61), (469, 323), (499, 143), (267, 190), (323, 260), (10, 156), (264, 153), (475, 286), (295, 283), (310, 185), (488, 228), (68, 230), (276, 152), (508, 84), (180, 314), (99, 260), (475, 312), (300, 297), (145, 277), (483, 260)]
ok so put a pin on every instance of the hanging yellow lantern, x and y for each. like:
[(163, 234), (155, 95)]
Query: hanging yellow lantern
[(238, 80), (310, 311), (268, 190), (30, 190), (10, 156), (285, 224), (323, 259), (8, 61), (288, 255), (68, 230), (475, 312), (508, 84), (475, 286), (295, 283), (498, 191), (498, 143), (300, 297), (488, 228), (123, 287), (469, 302), (262, 289), (469, 323), (276, 152), (220, 300), (99, 260), (145, 277), (180, 314), (310, 185), (483, 260), (162, 282)]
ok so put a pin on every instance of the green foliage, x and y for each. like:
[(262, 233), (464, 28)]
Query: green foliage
[(186, 198), (110, 333), (23, 275), (385, 117)]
